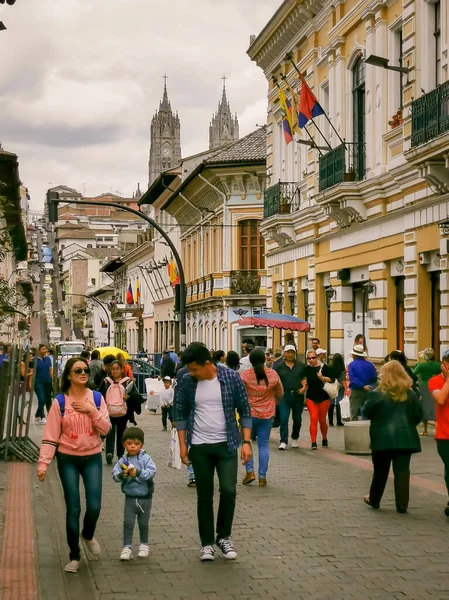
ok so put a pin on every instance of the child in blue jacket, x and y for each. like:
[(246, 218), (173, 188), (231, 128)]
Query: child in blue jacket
[(135, 471)]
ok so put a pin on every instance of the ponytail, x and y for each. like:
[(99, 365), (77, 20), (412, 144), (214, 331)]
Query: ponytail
[(257, 359)]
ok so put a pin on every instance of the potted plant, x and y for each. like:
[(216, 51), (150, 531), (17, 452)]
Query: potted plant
[(350, 174), (396, 119), (284, 206)]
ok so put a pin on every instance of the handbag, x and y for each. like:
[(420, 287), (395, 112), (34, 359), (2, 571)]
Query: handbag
[(344, 407), (174, 456), (331, 387)]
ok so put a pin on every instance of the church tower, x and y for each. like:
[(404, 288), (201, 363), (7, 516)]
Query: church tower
[(224, 128), (165, 138)]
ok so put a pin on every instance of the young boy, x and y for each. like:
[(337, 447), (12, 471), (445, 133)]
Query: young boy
[(167, 401), (135, 471)]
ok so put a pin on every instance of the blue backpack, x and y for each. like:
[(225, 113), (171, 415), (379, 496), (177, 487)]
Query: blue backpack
[(61, 399)]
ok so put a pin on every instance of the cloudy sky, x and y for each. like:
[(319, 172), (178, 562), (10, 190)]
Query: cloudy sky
[(83, 77)]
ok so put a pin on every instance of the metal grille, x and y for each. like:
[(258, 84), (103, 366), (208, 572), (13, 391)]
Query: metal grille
[(281, 198), (430, 115)]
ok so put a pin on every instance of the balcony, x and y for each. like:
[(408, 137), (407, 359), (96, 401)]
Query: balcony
[(430, 115), (281, 198), (341, 164), (244, 282)]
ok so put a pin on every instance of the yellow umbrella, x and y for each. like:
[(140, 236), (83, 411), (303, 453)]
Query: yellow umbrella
[(112, 350)]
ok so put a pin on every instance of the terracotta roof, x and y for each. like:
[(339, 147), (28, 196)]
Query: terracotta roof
[(251, 148), (77, 235)]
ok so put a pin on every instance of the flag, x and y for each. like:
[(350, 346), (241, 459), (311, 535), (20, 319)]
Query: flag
[(173, 274), (309, 107), (137, 296), (104, 325), (287, 116), (129, 295)]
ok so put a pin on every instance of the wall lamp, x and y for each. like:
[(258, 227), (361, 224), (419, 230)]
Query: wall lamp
[(330, 295), (280, 300), (370, 287), (380, 61)]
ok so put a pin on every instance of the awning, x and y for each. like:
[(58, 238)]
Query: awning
[(276, 320)]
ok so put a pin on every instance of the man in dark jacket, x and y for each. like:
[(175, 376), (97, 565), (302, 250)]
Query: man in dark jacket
[(362, 377), (168, 365), (290, 371)]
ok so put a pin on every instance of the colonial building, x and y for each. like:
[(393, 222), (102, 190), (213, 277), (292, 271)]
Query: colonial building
[(218, 208), (353, 237), (165, 139), (224, 127)]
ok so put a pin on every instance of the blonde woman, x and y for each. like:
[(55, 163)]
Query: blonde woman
[(395, 411)]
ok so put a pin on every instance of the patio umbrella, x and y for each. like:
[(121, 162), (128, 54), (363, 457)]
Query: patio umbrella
[(104, 350), (276, 320)]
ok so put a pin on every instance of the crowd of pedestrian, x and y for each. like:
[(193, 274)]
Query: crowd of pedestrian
[(219, 403)]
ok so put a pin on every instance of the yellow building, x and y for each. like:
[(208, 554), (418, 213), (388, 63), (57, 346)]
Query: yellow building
[(353, 233)]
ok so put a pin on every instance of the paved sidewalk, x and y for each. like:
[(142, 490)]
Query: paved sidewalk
[(308, 535)]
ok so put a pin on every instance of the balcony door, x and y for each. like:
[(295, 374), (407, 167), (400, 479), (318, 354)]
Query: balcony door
[(251, 246), (435, 311), (358, 111)]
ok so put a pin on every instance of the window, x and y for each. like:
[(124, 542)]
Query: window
[(89, 245), (437, 36), (93, 281), (358, 108), (251, 245)]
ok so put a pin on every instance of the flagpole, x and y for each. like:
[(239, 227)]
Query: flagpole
[(290, 58), (307, 131)]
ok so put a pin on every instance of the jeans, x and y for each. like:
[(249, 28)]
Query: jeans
[(295, 404), (140, 508), (44, 393), (382, 460), (318, 413), (166, 412), (206, 458), (443, 451), (262, 430), (357, 400), (115, 435), (70, 469)]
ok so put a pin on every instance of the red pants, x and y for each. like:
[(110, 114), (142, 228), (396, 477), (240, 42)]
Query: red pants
[(318, 412)]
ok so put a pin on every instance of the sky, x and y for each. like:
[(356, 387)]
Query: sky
[(81, 79)]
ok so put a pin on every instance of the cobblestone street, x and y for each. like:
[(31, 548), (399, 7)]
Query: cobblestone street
[(307, 535)]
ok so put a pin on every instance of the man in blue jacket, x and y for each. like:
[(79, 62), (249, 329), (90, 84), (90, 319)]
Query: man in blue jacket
[(362, 377)]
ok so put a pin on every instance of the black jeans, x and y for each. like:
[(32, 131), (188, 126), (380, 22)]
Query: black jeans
[(206, 458), (443, 451), (70, 469), (294, 403), (115, 435), (166, 411), (382, 460)]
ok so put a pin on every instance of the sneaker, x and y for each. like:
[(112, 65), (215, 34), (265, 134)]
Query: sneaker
[(295, 444), (249, 478), (325, 444), (93, 546), (282, 446), (207, 553), (227, 548), (192, 483), (72, 566), (126, 553), (314, 446), (109, 458), (43, 421), (144, 551)]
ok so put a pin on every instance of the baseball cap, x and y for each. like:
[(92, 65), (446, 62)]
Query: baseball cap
[(167, 378), (320, 351), (289, 347)]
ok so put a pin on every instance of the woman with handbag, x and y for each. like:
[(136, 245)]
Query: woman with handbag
[(316, 376), (339, 369)]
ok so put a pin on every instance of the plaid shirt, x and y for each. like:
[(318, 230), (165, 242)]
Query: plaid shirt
[(233, 396)]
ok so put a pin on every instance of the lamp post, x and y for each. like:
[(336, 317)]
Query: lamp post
[(292, 297), (280, 300), (330, 295), (368, 288), (64, 294)]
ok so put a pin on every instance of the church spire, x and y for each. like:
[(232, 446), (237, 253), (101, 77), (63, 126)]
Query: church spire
[(224, 128), (165, 104)]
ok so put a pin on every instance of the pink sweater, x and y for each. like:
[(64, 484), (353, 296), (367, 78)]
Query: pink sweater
[(76, 433)]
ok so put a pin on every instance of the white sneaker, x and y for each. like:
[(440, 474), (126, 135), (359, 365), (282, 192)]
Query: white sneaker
[(93, 546), (295, 444), (126, 553), (207, 553), (144, 551), (72, 566), (43, 421), (282, 446)]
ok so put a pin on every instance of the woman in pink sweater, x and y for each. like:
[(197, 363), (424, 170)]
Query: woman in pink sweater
[(74, 426)]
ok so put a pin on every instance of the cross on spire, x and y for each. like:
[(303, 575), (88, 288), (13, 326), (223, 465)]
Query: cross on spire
[(224, 80), (165, 77)]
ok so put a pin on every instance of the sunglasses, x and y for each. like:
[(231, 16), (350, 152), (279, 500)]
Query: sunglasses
[(80, 371), (312, 357)]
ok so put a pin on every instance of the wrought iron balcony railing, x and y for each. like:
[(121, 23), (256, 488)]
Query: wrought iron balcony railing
[(281, 198), (244, 281), (430, 115), (343, 163)]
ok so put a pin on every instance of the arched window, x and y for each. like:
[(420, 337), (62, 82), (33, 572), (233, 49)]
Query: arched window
[(358, 111), (251, 245)]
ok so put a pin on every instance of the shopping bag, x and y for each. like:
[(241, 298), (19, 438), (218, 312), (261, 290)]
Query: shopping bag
[(174, 457), (344, 408)]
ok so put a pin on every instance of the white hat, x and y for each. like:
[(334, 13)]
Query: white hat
[(320, 351), (289, 347), (358, 350)]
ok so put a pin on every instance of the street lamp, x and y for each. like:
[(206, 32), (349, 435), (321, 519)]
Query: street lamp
[(368, 288), (380, 61), (64, 294), (330, 295), (292, 298), (280, 300)]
